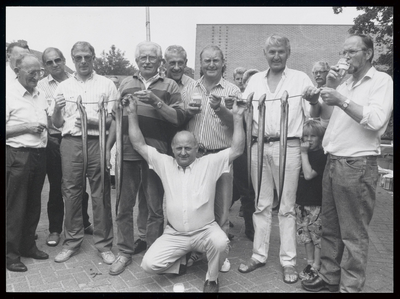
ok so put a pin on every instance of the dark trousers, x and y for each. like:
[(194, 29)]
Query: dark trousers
[(242, 191), (55, 204), (25, 173)]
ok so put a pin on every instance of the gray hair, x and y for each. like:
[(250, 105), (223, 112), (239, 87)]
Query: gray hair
[(83, 45), (322, 63), (238, 71), (175, 49), (22, 57), (52, 49), (278, 40), (147, 43)]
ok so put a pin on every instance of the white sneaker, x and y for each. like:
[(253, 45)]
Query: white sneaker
[(194, 258), (108, 257), (226, 266)]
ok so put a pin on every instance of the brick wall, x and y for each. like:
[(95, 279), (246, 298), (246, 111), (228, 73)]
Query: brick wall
[(243, 45)]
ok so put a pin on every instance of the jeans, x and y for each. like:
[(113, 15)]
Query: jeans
[(348, 199), (262, 217)]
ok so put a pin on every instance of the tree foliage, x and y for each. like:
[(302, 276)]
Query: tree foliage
[(113, 63), (378, 22)]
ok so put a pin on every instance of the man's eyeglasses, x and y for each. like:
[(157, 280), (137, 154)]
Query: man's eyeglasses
[(51, 62), (80, 58), (144, 59), (350, 52), (319, 72), (34, 73)]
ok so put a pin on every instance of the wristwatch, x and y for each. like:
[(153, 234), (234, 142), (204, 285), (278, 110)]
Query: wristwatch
[(345, 104), (159, 105)]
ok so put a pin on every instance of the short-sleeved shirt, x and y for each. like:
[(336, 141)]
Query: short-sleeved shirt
[(189, 193), (292, 81), (91, 92), (309, 192), (155, 129), (22, 108), (347, 138), (206, 125), (49, 85)]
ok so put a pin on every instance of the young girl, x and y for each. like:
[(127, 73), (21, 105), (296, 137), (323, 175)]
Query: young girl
[(309, 196)]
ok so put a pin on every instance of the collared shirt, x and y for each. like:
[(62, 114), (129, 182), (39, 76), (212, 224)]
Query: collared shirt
[(22, 108), (189, 193), (185, 80), (148, 81), (49, 85), (344, 136), (154, 127), (91, 92), (294, 82), (206, 125)]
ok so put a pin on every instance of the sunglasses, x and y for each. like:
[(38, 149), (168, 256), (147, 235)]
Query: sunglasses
[(55, 61), (80, 58)]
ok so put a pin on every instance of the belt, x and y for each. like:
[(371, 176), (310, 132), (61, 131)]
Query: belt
[(80, 137), (371, 157), (28, 149), (272, 139)]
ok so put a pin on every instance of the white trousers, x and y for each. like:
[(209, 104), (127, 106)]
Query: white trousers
[(169, 251), (262, 216)]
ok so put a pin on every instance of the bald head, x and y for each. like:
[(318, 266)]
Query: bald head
[(184, 146)]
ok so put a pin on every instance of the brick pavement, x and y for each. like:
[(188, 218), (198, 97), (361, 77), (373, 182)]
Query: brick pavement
[(85, 271)]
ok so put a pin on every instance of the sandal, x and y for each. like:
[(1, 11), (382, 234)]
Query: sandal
[(250, 266), (289, 271), (53, 239)]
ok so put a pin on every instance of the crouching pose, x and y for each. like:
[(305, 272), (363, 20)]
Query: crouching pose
[(189, 185)]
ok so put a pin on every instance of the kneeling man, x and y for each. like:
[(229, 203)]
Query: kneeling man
[(189, 185)]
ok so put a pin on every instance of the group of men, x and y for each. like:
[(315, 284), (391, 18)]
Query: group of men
[(180, 137)]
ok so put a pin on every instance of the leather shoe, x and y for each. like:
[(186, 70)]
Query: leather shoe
[(17, 266), (318, 284), (140, 246), (36, 254)]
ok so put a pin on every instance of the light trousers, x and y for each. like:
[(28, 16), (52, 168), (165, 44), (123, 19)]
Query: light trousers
[(262, 216), (165, 255)]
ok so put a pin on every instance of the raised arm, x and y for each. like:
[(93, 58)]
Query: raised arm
[(238, 139), (135, 135)]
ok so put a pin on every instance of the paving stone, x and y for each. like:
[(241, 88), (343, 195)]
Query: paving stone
[(86, 273)]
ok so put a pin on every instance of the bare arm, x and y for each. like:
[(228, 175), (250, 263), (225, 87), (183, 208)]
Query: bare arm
[(224, 114), (148, 97), (238, 138), (308, 172), (57, 118), (135, 135), (28, 128)]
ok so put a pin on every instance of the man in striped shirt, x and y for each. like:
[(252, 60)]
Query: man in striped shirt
[(91, 87), (212, 123), (159, 106), (54, 63)]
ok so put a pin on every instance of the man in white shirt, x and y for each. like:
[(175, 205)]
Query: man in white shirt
[(189, 185), (362, 106), (26, 139), (65, 115), (273, 82)]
